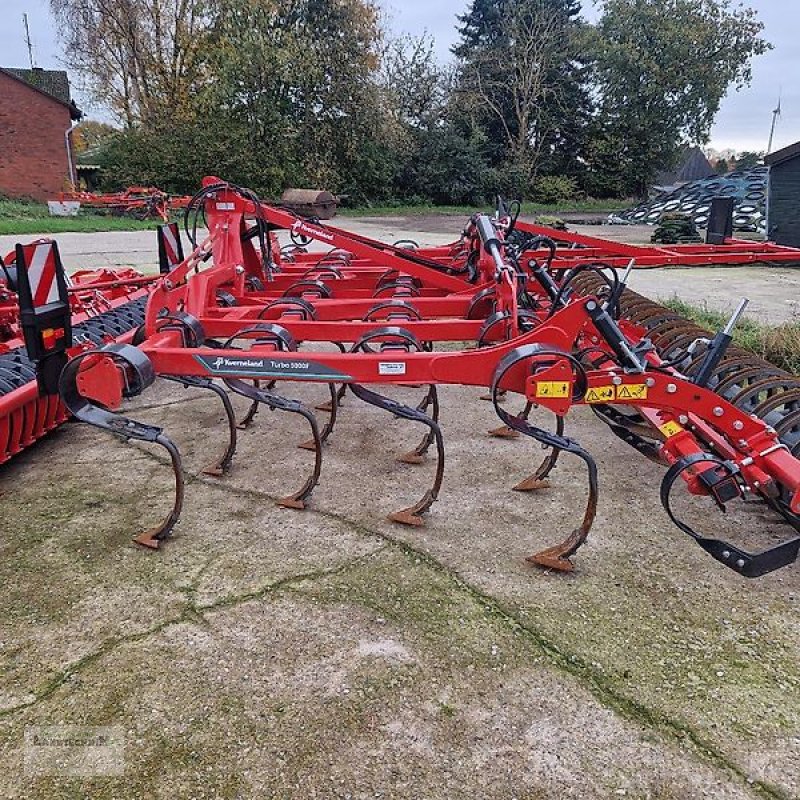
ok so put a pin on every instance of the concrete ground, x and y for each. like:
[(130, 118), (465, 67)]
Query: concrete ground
[(328, 653)]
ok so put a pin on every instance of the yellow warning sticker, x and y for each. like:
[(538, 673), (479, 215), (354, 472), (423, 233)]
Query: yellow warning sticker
[(632, 391), (600, 394), (552, 388), (670, 429)]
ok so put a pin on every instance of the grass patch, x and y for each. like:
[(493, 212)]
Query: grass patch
[(22, 218), (528, 209), (778, 344)]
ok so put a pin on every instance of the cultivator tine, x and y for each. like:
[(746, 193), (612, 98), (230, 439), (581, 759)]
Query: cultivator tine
[(296, 499), (750, 565), (504, 431), (245, 422), (558, 556), (413, 514), (329, 404), (538, 480), (327, 428), (252, 410), (417, 455), (139, 374), (336, 399), (152, 538), (221, 465)]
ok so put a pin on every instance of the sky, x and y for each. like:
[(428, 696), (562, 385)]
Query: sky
[(742, 124)]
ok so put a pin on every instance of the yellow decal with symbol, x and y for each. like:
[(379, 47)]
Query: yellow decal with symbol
[(552, 388), (632, 391), (670, 429), (600, 394)]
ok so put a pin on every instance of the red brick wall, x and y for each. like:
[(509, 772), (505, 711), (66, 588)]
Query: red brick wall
[(33, 154)]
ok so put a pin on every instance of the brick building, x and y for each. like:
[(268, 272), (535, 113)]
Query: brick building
[(36, 115)]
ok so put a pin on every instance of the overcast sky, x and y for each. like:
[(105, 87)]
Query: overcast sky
[(744, 118)]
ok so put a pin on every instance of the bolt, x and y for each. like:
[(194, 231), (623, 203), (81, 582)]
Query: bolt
[(616, 380), (168, 284), (650, 382), (740, 563), (718, 412), (671, 388), (239, 269), (683, 419), (726, 554), (738, 425)]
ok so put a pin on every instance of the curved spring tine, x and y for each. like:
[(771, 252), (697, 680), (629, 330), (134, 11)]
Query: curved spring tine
[(327, 428), (748, 564), (139, 375), (504, 432), (538, 480), (247, 419), (413, 514), (417, 455), (328, 404), (558, 556), (275, 401), (153, 537), (219, 466)]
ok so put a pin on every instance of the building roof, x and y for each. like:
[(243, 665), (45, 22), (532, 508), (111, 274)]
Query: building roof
[(50, 82), (694, 166), (779, 156)]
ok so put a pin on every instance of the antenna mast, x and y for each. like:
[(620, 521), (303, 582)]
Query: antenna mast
[(28, 40), (775, 114)]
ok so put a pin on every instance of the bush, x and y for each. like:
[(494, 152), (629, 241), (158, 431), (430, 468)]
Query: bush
[(778, 344), (553, 189)]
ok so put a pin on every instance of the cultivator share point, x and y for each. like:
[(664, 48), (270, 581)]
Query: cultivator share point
[(239, 308)]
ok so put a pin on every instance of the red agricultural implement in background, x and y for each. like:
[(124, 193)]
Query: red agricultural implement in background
[(575, 248), (239, 308), (138, 202), (41, 310)]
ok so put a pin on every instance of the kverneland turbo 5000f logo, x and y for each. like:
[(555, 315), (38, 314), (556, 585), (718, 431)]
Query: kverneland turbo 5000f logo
[(258, 367)]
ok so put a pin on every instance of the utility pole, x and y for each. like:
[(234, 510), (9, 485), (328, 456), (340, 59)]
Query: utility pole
[(28, 40), (775, 114)]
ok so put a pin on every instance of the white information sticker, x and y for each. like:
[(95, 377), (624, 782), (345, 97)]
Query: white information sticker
[(391, 368)]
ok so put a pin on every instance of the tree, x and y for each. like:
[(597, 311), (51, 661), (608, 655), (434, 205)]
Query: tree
[(413, 84), (521, 79), (90, 134), (142, 59), (662, 67), (297, 75), (748, 159)]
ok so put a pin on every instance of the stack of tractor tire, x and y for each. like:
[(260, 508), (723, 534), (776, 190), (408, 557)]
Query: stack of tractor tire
[(747, 187), (676, 229)]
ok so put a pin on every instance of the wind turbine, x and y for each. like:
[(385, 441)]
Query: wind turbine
[(775, 114)]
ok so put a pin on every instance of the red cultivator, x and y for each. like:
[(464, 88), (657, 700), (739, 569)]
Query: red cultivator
[(239, 308), (94, 308), (139, 202)]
